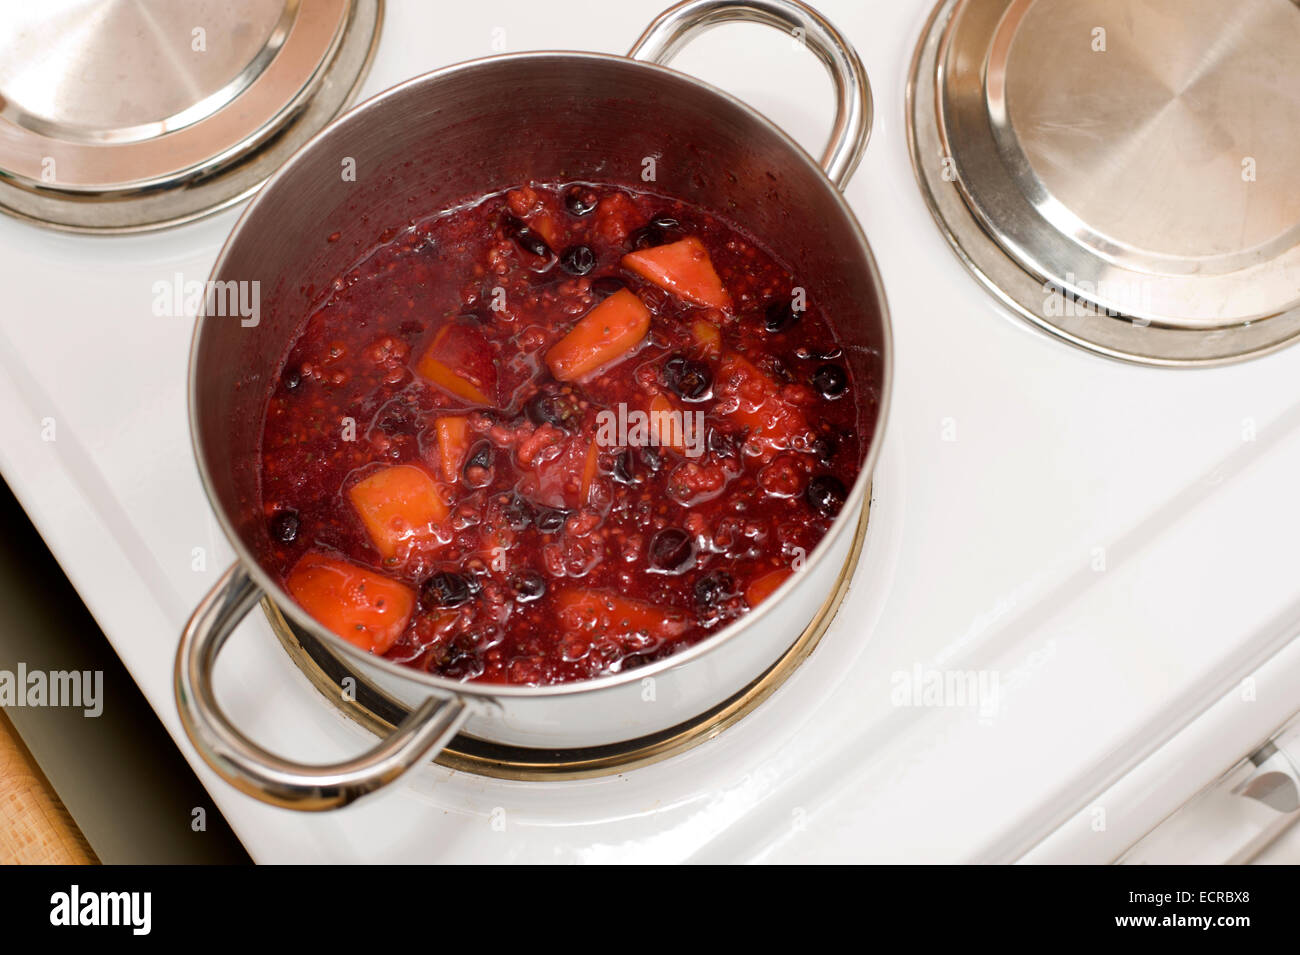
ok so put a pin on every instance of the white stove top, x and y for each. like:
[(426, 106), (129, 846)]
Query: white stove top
[(1117, 543)]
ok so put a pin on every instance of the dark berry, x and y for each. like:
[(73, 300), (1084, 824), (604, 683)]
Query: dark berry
[(292, 380), (831, 381), (780, 316), (625, 468), (578, 259), (723, 443), (529, 585), (445, 589), (480, 456), (826, 494), (713, 588), (825, 446), (645, 238), (526, 238), (580, 200), (546, 408), (284, 526), (551, 519), (672, 551), (459, 659), (658, 231), (689, 380)]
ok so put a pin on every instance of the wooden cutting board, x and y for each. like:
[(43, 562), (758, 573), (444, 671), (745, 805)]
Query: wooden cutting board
[(35, 828)]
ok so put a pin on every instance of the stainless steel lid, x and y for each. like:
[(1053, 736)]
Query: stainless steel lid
[(1120, 172), (120, 115)]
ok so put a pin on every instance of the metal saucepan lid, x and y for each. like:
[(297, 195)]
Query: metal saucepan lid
[(1120, 172), (121, 115)]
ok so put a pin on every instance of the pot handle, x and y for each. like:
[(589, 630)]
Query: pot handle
[(673, 28), (261, 774)]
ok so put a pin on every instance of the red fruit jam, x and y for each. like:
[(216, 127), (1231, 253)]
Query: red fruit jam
[(555, 434)]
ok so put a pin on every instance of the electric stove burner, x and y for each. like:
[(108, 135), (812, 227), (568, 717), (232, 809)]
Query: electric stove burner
[(1120, 172), (119, 117), (379, 713)]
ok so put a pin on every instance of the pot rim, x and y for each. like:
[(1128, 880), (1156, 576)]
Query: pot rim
[(489, 691)]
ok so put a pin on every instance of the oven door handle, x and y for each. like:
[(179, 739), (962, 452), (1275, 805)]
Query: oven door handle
[(676, 26), (270, 778)]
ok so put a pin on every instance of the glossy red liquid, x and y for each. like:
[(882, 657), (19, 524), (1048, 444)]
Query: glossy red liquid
[(564, 554)]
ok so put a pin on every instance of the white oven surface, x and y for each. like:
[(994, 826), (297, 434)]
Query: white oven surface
[(1115, 544)]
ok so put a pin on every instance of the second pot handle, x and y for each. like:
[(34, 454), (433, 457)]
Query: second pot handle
[(261, 774), (673, 28)]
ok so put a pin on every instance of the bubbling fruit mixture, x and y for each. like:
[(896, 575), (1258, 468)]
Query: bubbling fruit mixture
[(554, 434)]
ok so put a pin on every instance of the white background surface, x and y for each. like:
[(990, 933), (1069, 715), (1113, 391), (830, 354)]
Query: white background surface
[(981, 553)]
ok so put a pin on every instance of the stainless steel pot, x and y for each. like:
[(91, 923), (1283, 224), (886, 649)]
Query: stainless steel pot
[(460, 132)]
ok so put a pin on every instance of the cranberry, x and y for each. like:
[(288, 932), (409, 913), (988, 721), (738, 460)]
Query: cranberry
[(658, 231), (578, 259), (672, 551), (625, 468), (724, 444), (689, 380), (831, 381), (445, 589), (480, 456), (824, 447), (780, 316), (528, 585), (551, 519), (284, 526), (713, 588), (547, 408), (826, 494), (526, 238), (580, 200)]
